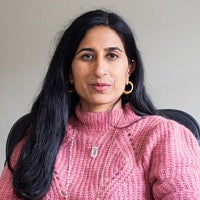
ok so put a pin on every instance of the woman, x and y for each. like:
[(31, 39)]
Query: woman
[(94, 132)]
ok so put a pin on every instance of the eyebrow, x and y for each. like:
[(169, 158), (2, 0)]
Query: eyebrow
[(106, 49), (113, 49), (85, 49)]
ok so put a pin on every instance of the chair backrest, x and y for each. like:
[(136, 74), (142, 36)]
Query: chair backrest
[(183, 118), (18, 130)]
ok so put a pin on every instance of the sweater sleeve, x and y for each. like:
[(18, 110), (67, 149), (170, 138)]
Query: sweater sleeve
[(174, 171), (6, 187)]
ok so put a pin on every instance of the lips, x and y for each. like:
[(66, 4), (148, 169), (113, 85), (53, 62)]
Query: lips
[(100, 87)]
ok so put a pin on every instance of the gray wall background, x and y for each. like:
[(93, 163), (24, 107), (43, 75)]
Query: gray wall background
[(167, 33)]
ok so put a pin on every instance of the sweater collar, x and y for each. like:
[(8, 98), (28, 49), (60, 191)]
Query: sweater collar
[(103, 121)]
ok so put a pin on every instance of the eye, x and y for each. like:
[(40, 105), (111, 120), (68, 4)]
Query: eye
[(87, 57), (112, 56)]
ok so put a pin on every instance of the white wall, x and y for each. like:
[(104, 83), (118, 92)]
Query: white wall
[(167, 32)]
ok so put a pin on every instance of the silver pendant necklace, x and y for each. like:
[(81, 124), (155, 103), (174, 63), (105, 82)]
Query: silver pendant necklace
[(94, 154), (95, 147), (94, 151)]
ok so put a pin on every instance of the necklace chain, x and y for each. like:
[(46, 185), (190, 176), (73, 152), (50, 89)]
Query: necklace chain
[(101, 188), (70, 163), (94, 155), (100, 182)]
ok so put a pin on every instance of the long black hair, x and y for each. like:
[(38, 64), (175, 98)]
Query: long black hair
[(54, 105)]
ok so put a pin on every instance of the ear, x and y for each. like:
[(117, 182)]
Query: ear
[(71, 80), (131, 69)]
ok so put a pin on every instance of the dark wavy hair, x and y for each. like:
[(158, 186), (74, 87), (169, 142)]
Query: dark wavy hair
[(54, 105)]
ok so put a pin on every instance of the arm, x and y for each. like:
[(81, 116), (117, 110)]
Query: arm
[(175, 163), (6, 187)]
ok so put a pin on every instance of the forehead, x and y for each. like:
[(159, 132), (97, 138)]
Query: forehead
[(101, 36)]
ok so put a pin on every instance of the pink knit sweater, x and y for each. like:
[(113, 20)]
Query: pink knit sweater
[(153, 158)]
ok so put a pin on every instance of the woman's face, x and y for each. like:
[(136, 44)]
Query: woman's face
[(100, 70)]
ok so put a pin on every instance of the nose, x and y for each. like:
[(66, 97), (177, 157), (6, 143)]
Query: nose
[(100, 67)]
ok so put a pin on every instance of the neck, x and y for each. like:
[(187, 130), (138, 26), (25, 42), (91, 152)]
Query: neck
[(87, 107)]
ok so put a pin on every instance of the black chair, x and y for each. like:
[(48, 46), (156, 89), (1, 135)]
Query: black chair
[(18, 130)]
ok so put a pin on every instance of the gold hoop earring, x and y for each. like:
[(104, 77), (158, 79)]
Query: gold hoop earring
[(131, 89)]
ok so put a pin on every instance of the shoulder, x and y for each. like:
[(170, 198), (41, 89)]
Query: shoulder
[(148, 122), (155, 124), (151, 132), (154, 128), (163, 128)]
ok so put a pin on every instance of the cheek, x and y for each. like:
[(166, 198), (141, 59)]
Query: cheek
[(75, 72), (121, 80), (124, 77), (79, 78)]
